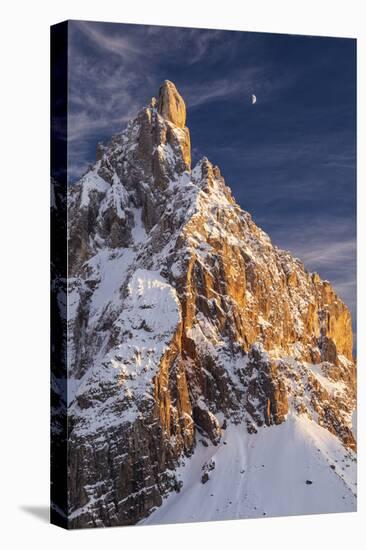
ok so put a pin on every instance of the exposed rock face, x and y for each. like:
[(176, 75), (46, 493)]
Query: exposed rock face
[(171, 105), (182, 310)]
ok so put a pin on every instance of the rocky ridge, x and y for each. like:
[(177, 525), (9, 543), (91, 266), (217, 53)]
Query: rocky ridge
[(183, 317)]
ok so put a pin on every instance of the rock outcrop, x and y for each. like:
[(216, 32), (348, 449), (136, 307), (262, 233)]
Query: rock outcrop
[(171, 105), (181, 311)]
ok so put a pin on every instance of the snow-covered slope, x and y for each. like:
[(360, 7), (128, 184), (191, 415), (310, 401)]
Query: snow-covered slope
[(294, 468), (186, 324)]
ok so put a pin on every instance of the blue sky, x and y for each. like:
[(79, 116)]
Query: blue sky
[(290, 159)]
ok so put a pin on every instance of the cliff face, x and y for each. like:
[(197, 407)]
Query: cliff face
[(183, 317)]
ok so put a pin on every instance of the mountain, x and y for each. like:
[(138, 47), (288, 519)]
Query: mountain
[(210, 375)]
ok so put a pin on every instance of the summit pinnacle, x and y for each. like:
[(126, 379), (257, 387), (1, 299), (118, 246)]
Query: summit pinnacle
[(171, 105)]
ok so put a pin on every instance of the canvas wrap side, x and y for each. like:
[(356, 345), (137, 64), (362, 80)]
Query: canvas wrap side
[(59, 86)]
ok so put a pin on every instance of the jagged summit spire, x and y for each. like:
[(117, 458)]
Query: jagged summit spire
[(171, 104)]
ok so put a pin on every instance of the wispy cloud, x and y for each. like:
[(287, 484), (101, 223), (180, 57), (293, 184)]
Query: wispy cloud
[(116, 44), (104, 87), (258, 79), (199, 94), (203, 42), (325, 254)]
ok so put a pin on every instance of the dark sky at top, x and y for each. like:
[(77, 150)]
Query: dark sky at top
[(290, 159)]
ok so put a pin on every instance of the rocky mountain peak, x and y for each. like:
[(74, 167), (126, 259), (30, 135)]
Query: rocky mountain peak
[(171, 105), (184, 320)]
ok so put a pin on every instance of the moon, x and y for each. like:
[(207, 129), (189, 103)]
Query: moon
[(253, 99)]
